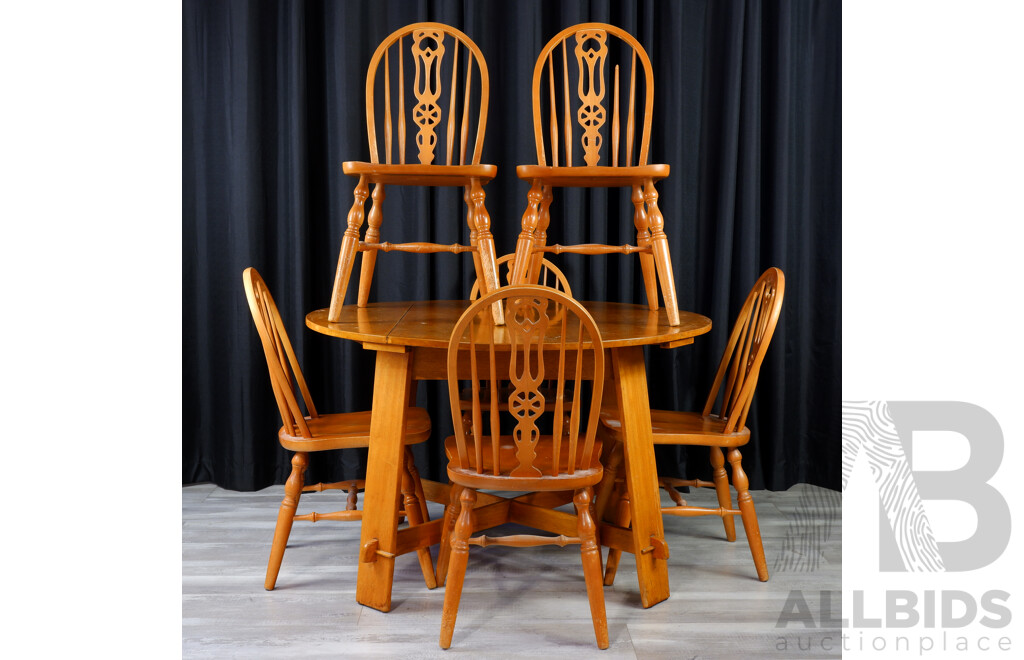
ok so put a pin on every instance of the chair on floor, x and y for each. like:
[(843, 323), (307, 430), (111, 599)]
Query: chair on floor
[(312, 432), (583, 51), (437, 103), (725, 429), (547, 336)]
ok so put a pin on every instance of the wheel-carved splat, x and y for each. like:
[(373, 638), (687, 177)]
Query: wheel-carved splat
[(427, 87), (526, 321), (591, 114)]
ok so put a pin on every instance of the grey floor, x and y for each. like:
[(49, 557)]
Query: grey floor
[(516, 602)]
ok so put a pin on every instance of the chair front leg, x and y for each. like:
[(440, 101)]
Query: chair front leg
[(527, 238), (349, 246), (590, 552), (748, 514), (662, 258), (457, 569), (486, 260), (373, 222), (606, 490), (286, 516), (411, 465)]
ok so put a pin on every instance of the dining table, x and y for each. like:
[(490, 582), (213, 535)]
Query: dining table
[(411, 343)]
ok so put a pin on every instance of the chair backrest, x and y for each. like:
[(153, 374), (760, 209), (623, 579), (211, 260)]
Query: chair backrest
[(530, 344), (285, 374), (437, 98), (746, 349), (550, 276), (583, 51)]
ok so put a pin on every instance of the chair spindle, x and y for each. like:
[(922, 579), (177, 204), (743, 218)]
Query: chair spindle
[(451, 103), (387, 110), (401, 101)]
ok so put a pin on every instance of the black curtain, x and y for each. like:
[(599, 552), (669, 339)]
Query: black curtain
[(747, 114)]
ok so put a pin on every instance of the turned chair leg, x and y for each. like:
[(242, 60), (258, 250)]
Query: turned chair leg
[(349, 246), (373, 222), (590, 553), (622, 520), (451, 515), (474, 240), (457, 568), (485, 259), (662, 258), (722, 488), (643, 239), (541, 235), (612, 461), (527, 237), (748, 514), (352, 502), (286, 516), (415, 516), (411, 465)]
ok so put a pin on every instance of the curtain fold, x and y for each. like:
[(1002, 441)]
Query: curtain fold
[(747, 114)]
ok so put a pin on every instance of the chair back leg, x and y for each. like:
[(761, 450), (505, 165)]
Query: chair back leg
[(414, 513), (373, 221), (451, 516), (722, 488), (621, 520)]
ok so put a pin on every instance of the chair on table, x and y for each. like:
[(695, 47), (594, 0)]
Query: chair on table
[(725, 429), (525, 460), (583, 51), (319, 432), (434, 108)]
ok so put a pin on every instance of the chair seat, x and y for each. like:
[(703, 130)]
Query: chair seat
[(348, 430), (507, 461), (598, 176), (421, 175), (684, 428)]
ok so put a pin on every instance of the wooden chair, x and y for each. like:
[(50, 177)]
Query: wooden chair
[(526, 460), (433, 108), (583, 51), (725, 429), (311, 432)]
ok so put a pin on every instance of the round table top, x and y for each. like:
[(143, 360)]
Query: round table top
[(430, 323)]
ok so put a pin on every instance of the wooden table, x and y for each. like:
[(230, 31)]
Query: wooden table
[(411, 340)]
